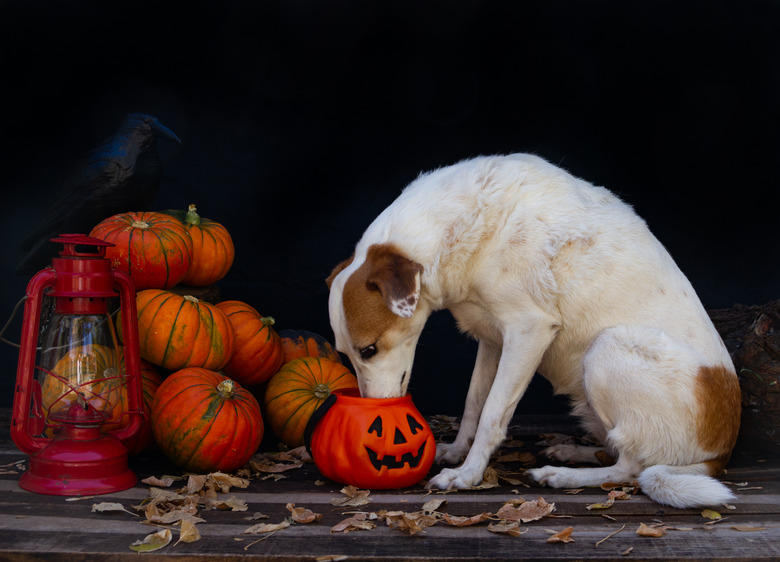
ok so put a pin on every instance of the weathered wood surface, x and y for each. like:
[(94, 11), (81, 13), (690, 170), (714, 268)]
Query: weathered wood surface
[(39, 527), (752, 337)]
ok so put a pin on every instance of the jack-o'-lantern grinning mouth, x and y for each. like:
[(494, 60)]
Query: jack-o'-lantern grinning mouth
[(390, 461)]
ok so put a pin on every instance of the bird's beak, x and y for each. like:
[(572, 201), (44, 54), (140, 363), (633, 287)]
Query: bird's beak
[(163, 131)]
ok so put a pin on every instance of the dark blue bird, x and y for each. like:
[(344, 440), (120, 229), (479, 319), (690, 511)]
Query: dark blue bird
[(121, 175)]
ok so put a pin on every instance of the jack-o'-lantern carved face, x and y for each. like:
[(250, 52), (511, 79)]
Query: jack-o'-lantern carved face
[(372, 443)]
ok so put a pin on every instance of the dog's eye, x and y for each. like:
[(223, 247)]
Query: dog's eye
[(367, 352)]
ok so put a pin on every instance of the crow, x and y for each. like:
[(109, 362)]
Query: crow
[(121, 175)]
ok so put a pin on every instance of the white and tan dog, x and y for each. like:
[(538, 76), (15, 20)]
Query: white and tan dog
[(550, 274)]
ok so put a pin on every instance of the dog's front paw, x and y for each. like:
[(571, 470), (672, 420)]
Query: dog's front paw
[(454, 479), (449, 453), (553, 476)]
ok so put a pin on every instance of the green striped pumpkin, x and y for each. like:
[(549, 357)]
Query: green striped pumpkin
[(297, 389), (176, 331), (205, 422)]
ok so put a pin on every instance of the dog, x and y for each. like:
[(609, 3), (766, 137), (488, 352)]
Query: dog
[(554, 275)]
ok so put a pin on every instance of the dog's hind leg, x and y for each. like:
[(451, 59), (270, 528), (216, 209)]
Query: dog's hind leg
[(479, 387)]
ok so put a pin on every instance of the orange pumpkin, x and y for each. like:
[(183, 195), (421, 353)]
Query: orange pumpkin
[(297, 389), (153, 248), (212, 248), (177, 331), (205, 422), (302, 343), (257, 349)]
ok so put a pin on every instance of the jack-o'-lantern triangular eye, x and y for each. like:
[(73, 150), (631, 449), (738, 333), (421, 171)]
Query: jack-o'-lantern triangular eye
[(414, 425), (376, 427)]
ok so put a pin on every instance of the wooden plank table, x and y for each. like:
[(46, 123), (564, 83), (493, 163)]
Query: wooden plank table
[(40, 527)]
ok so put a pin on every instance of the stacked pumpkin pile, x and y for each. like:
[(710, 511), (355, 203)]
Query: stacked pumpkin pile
[(205, 365)]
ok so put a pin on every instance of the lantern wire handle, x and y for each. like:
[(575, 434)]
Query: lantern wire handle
[(11, 319)]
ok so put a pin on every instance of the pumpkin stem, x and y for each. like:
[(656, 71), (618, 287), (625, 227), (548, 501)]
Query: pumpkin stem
[(321, 391), (268, 321), (226, 389), (140, 224), (191, 298), (192, 218)]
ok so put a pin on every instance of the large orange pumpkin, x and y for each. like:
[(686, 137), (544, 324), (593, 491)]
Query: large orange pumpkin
[(177, 331), (205, 422), (303, 343), (257, 348), (153, 248), (297, 389), (212, 248)]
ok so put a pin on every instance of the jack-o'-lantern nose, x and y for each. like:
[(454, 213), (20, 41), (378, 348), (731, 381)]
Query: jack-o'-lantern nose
[(399, 437)]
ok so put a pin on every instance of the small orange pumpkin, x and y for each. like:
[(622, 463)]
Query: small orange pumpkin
[(177, 331), (205, 422), (257, 349), (303, 343), (212, 248), (297, 389), (153, 248)]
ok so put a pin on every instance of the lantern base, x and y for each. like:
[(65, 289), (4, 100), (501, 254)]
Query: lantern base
[(67, 467)]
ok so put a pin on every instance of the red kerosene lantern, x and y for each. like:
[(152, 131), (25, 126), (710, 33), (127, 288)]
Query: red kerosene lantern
[(76, 399)]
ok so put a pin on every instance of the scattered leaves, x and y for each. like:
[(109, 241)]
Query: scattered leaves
[(188, 532)]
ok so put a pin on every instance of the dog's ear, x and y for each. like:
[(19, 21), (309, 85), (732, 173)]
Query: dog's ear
[(396, 277), (338, 269)]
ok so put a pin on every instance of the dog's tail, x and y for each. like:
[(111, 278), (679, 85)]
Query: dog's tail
[(683, 486)]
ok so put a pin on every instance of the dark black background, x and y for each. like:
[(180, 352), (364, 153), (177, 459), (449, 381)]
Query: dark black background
[(302, 120)]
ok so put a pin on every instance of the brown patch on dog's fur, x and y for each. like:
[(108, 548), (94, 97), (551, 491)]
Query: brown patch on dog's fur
[(365, 310), (717, 392)]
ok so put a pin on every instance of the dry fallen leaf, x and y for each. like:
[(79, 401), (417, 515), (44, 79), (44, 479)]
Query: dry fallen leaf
[(358, 522), (110, 506), (354, 497), (511, 529), (646, 531), (266, 528), (152, 542), (163, 482), (302, 514), (528, 511), (434, 504), (411, 523), (460, 521), (188, 532), (563, 536), (747, 528), (710, 514)]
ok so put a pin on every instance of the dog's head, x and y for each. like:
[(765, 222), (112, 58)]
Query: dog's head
[(377, 316)]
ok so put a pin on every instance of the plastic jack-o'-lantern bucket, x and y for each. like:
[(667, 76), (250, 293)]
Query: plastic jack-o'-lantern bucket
[(376, 443)]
